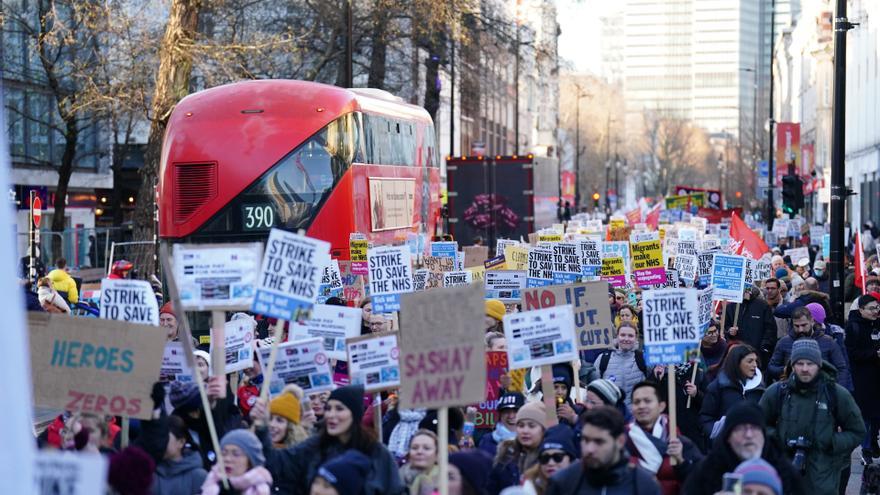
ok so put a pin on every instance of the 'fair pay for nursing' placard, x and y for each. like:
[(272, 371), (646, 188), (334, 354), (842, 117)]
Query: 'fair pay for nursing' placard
[(332, 324), (542, 336), (671, 325), (291, 273)]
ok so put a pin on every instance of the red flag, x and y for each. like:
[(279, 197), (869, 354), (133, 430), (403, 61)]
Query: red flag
[(750, 244), (652, 219), (634, 216), (859, 263)]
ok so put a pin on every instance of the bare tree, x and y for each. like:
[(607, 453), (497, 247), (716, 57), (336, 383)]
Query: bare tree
[(677, 152)]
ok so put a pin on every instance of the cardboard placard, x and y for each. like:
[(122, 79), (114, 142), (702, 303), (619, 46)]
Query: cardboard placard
[(517, 257), (540, 267), (672, 333), (475, 255), (442, 348), (67, 473), (94, 365), (303, 363), (290, 275), (175, 366), (487, 410), (505, 285), (217, 276), (239, 349), (390, 276), (332, 324), (541, 336), (728, 277), (129, 300), (373, 361), (589, 302), (478, 273), (457, 278), (647, 261)]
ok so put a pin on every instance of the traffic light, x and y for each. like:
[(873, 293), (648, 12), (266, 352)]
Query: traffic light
[(792, 194), (596, 197)]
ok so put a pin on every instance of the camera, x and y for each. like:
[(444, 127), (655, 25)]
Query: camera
[(800, 446)]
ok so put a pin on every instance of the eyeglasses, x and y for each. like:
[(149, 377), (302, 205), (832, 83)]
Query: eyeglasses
[(557, 458), (872, 308)]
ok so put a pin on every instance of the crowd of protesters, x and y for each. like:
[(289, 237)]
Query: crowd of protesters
[(778, 401)]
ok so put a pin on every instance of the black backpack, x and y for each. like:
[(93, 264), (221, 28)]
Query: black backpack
[(830, 392), (605, 357)]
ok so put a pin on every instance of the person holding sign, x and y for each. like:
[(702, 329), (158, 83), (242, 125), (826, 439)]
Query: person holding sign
[(188, 406), (295, 468), (751, 322), (688, 415), (243, 459), (740, 379)]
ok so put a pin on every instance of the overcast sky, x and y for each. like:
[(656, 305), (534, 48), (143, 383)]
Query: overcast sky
[(579, 42)]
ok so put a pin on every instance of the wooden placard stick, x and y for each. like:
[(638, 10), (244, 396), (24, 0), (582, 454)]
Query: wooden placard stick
[(218, 346), (277, 333), (443, 441), (670, 405)]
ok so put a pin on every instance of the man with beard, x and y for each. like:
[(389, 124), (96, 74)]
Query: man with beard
[(804, 327), (744, 437), (604, 467)]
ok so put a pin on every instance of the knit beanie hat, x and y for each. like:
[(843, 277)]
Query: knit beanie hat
[(744, 413), (287, 406), (131, 471), (534, 411), (184, 396), (475, 466), (562, 373), (204, 355), (511, 400), (248, 443), (495, 309), (759, 472), (347, 472), (806, 349), (606, 390), (781, 272), (167, 308), (352, 396), (818, 312), (560, 437)]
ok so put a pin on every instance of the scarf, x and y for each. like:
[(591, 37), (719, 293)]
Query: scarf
[(501, 433), (398, 442), (257, 481), (650, 456)]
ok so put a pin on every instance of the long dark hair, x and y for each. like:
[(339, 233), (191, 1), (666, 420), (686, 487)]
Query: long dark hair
[(361, 439), (734, 356)]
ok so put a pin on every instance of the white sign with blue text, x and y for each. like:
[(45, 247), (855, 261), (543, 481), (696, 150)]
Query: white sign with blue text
[(290, 275), (728, 277), (671, 319), (390, 276)]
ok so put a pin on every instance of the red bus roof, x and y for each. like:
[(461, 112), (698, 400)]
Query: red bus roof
[(246, 127)]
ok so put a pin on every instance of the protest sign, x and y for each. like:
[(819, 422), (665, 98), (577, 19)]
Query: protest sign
[(478, 273), (687, 234), (331, 282), (816, 233), (373, 361), (780, 227), (728, 277), (671, 325), (763, 270), (686, 265), (590, 310), (239, 338), (671, 280), (420, 279), (352, 285), (647, 259), (475, 255), (332, 324), (390, 276), (441, 349), (175, 366), (445, 249), (613, 271), (457, 278), (290, 275), (749, 273), (566, 263), (704, 267), (502, 244), (357, 248), (540, 267), (505, 285), (617, 248), (438, 264), (94, 365), (487, 410), (541, 336), (496, 263), (68, 473), (617, 222), (797, 254), (826, 246), (705, 304), (591, 257), (217, 276), (517, 257), (548, 238), (303, 363), (129, 300), (459, 260)]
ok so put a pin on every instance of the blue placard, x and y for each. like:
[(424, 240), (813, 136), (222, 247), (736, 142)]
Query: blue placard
[(386, 303), (728, 277), (826, 246), (444, 249)]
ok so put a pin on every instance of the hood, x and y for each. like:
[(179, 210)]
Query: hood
[(856, 316), (190, 460), (755, 382), (814, 296), (827, 372)]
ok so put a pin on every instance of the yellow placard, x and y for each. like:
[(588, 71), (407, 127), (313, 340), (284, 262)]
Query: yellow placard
[(550, 237), (646, 255), (478, 273), (516, 258), (617, 223), (613, 267), (358, 249)]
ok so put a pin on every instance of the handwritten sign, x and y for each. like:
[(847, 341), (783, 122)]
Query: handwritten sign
[(373, 361), (333, 325), (539, 337), (671, 325), (390, 276), (517, 258), (303, 363), (217, 276), (441, 350), (129, 300), (590, 310), (94, 365), (290, 275)]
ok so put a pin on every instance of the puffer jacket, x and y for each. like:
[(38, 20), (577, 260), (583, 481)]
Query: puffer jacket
[(756, 324), (63, 282), (624, 478), (722, 394), (183, 477), (510, 464), (807, 410), (831, 352), (623, 371)]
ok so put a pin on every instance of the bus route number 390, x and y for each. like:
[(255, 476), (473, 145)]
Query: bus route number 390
[(257, 217)]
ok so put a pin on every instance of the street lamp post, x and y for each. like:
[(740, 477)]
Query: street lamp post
[(577, 147)]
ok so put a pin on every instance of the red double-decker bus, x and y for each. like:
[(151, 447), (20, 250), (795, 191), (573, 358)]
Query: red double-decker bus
[(240, 159)]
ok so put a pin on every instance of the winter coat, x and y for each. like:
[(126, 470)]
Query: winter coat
[(722, 394), (757, 327), (294, 468), (622, 370), (714, 356), (226, 418), (257, 481), (804, 298), (688, 417), (862, 343), (830, 352), (63, 282), (807, 410), (182, 477), (708, 473), (624, 478), (509, 466), (670, 477)]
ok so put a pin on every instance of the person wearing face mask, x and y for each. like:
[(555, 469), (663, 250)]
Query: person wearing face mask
[(743, 438), (804, 327), (295, 468), (740, 379), (821, 274), (863, 348), (419, 474), (625, 365), (557, 453), (516, 456)]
